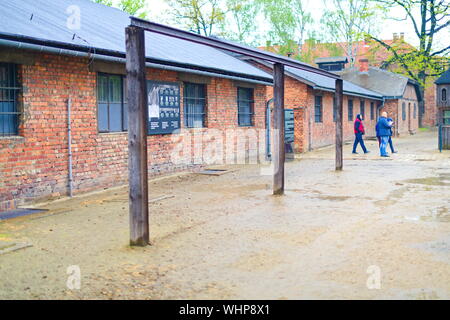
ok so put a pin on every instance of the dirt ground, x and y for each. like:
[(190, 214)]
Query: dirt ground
[(227, 237)]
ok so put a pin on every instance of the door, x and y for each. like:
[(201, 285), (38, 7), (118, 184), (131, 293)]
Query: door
[(289, 130)]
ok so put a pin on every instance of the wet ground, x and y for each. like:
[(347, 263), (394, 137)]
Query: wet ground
[(378, 230)]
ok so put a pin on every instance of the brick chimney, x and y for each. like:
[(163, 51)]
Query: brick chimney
[(394, 36), (364, 65), (402, 36)]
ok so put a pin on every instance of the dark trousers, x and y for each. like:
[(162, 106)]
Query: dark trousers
[(391, 145), (359, 140)]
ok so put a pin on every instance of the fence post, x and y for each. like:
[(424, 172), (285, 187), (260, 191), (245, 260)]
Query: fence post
[(339, 125), (278, 124), (137, 136)]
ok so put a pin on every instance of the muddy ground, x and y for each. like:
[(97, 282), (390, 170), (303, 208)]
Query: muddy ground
[(227, 237)]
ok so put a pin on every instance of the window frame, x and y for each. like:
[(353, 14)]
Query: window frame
[(403, 111), (11, 91), (362, 109), (350, 115), (123, 103), (316, 106), (185, 101), (251, 102), (372, 110), (444, 94)]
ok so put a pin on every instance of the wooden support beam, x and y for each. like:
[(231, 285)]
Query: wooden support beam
[(137, 136), (278, 154), (339, 124)]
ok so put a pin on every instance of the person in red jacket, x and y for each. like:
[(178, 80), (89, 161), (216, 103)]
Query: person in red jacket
[(359, 132)]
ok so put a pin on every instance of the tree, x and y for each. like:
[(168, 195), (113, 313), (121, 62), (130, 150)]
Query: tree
[(199, 16), (288, 20), (429, 18), (239, 21), (347, 21), (133, 7)]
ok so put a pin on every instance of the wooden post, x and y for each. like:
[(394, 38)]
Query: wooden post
[(137, 136), (339, 127), (278, 125)]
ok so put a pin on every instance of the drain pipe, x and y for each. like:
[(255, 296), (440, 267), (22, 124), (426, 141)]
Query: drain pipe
[(69, 147), (268, 130)]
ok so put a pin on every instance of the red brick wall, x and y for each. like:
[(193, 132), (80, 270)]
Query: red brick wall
[(394, 109), (35, 164)]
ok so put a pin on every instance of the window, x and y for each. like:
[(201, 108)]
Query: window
[(245, 107), (446, 117), (334, 109), (9, 92), (318, 109), (415, 110), (372, 111), (444, 94), (403, 111), (362, 109), (350, 110), (112, 105), (194, 105)]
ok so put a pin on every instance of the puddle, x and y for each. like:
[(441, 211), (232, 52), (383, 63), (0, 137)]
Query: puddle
[(440, 214), (441, 180), (333, 198)]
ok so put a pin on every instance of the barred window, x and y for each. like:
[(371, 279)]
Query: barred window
[(334, 109), (194, 105), (372, 111), (350, 110), (403, 111), (318, 109), (415, 111), (112, 103), (245, 107), (9, 93), (444, 94), (362, 109)]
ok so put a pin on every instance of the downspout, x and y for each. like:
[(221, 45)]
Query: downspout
[(268, 130), (69, 146)]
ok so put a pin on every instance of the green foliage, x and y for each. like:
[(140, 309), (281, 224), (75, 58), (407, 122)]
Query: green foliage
[(288, 21), (422, 62), (199, 16), (239, 22), (133, 7)]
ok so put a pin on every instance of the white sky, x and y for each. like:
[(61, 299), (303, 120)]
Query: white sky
[(157, 8)]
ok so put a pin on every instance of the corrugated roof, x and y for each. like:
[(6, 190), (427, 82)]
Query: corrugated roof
[(321, 82), (444, 78), (387, 83), (104, 28)]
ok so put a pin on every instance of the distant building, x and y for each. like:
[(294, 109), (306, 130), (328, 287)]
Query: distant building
[(333, 64), (401, 94), (442, 98)]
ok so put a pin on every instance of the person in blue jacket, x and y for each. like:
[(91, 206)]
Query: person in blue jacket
[(391, 145), (384, 131)]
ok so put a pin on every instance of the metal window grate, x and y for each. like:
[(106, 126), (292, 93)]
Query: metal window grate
[(350, 110), (245, 107), (194, 105), (318, 109), (112, 103), (362, 109), (9, 93)]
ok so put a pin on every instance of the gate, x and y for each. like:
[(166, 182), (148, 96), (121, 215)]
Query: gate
[(444, 137), (288, 130)]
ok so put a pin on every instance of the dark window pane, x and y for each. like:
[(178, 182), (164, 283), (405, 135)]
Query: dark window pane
[(194, 105), (102, 89), (103, 117), (9, 113), (350, 110), (115, 117), (245, 106), (115, 89)]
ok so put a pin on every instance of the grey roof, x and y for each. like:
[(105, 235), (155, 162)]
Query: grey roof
[(331, 60), (387, 83), (444, 78), (318, 81), (104, 28)]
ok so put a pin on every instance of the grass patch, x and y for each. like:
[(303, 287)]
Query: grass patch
[(424, 129)]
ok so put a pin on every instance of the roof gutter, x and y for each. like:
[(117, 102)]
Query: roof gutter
[(61, 48)]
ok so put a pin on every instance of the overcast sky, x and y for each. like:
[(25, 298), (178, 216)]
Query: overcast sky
[(157, 8)]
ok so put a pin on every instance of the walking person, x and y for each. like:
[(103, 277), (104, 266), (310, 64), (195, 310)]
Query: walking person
[(384, 131), (391, 145), (359, 132)]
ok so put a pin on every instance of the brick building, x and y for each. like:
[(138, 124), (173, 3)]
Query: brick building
[(401, 94), (44, 65), (377, 55), (310, 96)]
